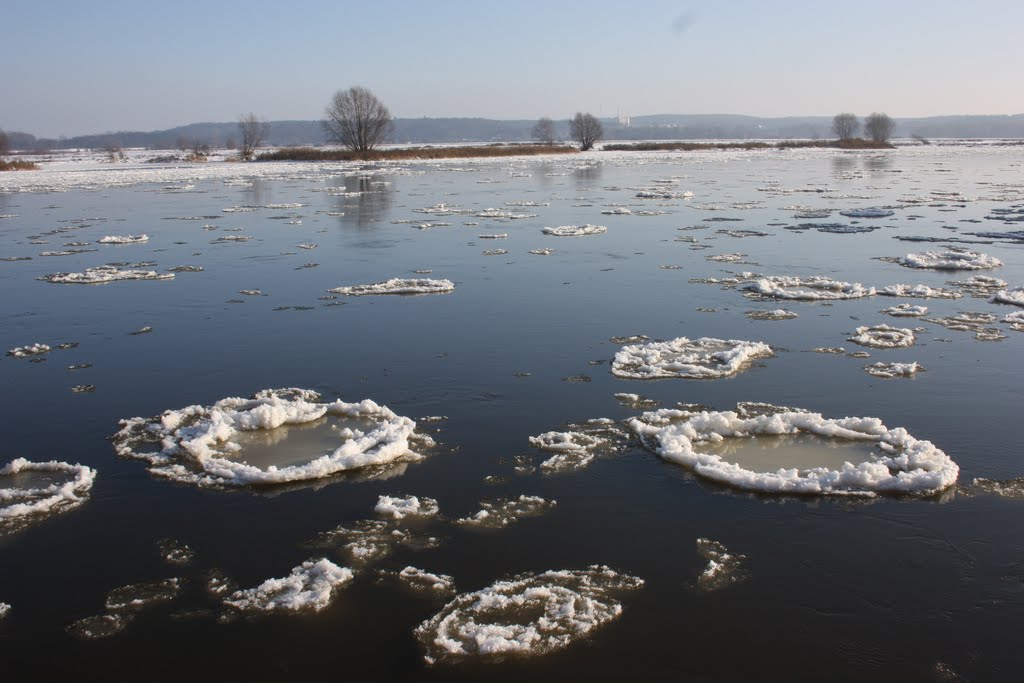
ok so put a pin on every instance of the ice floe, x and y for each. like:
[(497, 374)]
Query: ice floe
[(905, 311), (777, 314), (919, 292), (704, 358), (28, 351), (883, 337), (309, 586), (122, 604), (422, 581), (888, 370), (200, 444), (369, 540), (505, 511), (1015, 320), (31, 488), (407, 506), (899, 464), (950, 259), (980, 286), (977, 322), (1013, 296), (398, 286), (577, 447), (871, 212), (542, 252), (723, 569), (5, 609), (575, 230), (103, 274), (175, 552), (528, 614), (123, 239), (815, 288)]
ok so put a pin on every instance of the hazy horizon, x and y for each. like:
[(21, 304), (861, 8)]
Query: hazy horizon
[(115, 66)]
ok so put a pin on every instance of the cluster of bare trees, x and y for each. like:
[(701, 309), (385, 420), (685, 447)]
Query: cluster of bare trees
[(254, 131), (878, 127), (585, 129)]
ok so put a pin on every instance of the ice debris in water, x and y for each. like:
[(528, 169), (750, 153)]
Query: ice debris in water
[(1015, 320), (889, 370), (528, 614), (398, 286), (1010, 488), (724, 568), (369, 540), (407, 506), (980, 285), (806, 289), (421, 581), (104, 274), (777, 314), (971, 322), (36, 349), (950, 259), (636, 401), (902, 464), (542, 252), (175, 552), (503, 512), (704, 358), (196, 444), (5, 609), (122, 604), (310, 586), (919, 292), (575, 230), (123, 239), (576, 448), (883, 337), (61, 487), (871, 212), (1013, 296), (905, 311)]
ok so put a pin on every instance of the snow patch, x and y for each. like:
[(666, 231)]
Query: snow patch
[(704, 358), (310, 586)]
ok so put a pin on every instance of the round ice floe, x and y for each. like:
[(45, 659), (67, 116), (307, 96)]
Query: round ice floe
[(704, 358), (103, 274), (900, 464), (883, 337), (398, 286), (1013, 296), (310, 586), (200, 445), (905, 311), (529, 614), (807, 289), (919, 292), (871, 212), (575, 230), (950, 259), (777, 314), (123, 239), (888, 370), (48, 487), (407, 506)]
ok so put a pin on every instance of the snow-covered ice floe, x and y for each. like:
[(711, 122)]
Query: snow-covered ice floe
[(898, 463), (103, 274), (47, 487), (905, 311), (407, 506), (575, 230), (526, 615), (777, 314), (724, 568), (950, 259), (919, 292), (1013, 296), (577, 447), (310, 586), (503, 512), (704, 358), (200, 444), (398, 286), (440, 585), (806, 289), (888, 370), (883, 337), (871, 212), (123, 239), (5, 609), (29, 350), (1015, 320)]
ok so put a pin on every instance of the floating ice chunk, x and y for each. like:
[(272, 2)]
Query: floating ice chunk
[(1015, 320), (617, 211), (636, 401), (883, 337), (724, 568), (199, 444), (777, 314), (123, 239), (36, 349), (231, 238), (807, 289), (307, 245), (100, 626), (888, 370), (494, 252), (186, 269), (494, 236), (919, 292), (972, 322), (505, 511), (122, 604), (528, 614), (575, 230), (1009, 488), (293, 205), (542, 252), (870, 212), (239, 209), (440, 585), (902, 464), (629, 339), (398, 286), (175, 552), (980, 286), (905, 311), (704, 358), (52, 493), (104, 274), (5, 609), (310, 586), (726, 258), (573, 450), (1013, 296), (950, 259), (369, 540), (408, 506)]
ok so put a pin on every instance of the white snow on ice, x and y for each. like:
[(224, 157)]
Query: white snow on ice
[(398, 286), (704, 358), (310, 586)]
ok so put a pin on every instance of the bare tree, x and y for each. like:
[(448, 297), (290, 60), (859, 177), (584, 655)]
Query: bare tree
[(113, 149), (356, 119), (586, 130), (5, 143), (879, 127), (544, 131), (254, 131), (845, 126)]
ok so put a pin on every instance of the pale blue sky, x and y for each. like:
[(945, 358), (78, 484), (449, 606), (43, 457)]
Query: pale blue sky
[(89, 66)]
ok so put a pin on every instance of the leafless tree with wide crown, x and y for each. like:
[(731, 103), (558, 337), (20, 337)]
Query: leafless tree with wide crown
[(254, 131), (356, 119), (586, 130)]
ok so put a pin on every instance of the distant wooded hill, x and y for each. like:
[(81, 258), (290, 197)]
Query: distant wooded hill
[(447, 130)]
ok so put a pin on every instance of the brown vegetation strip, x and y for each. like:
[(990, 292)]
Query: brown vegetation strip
[(857, 143), (18, 165), (496, 150)]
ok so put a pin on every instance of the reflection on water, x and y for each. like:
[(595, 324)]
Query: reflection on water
[(364, 199), (800, 451)]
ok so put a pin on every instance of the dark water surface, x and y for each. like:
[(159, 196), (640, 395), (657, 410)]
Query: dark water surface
[(887, 588)]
